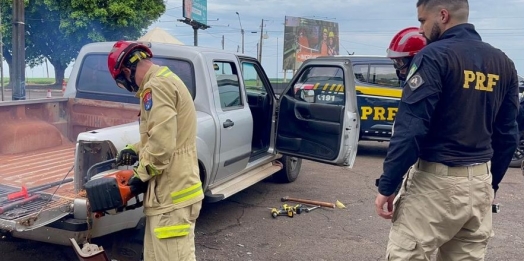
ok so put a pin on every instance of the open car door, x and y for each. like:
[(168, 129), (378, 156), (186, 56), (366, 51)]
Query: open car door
[(317, 113)]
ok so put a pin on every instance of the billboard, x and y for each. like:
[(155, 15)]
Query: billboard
[(308, 38), (195, 10)]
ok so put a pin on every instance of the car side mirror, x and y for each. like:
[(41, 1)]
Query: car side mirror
[(308, 95)]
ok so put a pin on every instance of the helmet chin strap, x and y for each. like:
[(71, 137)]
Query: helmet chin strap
[(133, 84), (401, 76)]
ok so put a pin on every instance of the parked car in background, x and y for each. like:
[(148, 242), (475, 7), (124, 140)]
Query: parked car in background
[(378, 92)]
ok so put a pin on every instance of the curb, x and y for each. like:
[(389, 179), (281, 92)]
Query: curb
[(38, 89)]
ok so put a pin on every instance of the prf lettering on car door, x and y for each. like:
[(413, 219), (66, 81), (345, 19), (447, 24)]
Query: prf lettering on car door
[(482, 82), (378, 113)]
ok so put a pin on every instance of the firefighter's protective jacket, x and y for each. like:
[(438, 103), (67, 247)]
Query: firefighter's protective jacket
[(167, 147)]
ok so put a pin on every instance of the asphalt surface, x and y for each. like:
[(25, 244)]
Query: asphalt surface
[(33, 93), (241, 228)]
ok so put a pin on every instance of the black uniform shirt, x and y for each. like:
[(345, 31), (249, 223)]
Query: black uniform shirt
[(458, 107)]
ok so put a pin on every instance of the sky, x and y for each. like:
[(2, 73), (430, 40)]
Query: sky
[(365, 26)]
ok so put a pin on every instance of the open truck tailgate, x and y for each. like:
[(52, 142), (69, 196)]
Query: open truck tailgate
[(31, 170), (37, 146)]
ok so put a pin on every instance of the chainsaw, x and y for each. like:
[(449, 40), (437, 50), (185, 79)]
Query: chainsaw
[(108, 192)]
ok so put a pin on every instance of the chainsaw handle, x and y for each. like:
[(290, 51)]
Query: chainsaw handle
[(108, 164)]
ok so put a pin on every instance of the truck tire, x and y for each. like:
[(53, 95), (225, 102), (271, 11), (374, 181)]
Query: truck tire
[(290, 171), (127, 245)]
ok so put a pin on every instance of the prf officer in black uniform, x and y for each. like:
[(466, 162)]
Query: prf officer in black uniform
[(456, 128)]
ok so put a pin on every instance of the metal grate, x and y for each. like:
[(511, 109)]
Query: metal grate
[(27, 209)]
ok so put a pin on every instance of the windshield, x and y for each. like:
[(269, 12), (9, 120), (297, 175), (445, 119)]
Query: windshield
[(94, 76)]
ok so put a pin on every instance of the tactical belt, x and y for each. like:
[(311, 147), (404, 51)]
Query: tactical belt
[(460, 171)]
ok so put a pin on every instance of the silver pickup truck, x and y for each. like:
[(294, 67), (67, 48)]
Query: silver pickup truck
[(246, 134)]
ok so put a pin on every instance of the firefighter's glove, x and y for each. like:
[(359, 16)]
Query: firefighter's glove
[(127, 156), (137, 186), (145, 172)]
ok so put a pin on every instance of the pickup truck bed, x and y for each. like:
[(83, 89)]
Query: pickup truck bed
[(38, 168), (37, 147)]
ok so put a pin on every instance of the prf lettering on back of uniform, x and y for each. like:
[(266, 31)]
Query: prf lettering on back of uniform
[(379, 113), (482, 83)]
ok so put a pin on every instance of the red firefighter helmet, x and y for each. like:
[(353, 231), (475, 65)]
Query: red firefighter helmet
[(128, 54), (404, 45), (407, 42), (120, 51)]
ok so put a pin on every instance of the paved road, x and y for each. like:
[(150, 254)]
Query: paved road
[(32, 94), (240, 228)]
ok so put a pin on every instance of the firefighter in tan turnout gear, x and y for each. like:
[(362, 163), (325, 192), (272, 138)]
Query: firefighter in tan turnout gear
[(167, 170)]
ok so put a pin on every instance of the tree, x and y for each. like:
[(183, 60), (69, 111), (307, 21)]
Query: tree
[(7, 31), (57, 29), (32, 57)]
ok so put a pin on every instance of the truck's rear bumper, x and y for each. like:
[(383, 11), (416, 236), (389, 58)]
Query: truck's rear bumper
[(51, 235), (58, 232)]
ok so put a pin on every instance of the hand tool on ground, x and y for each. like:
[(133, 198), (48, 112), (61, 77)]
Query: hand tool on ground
[(303, 208), (310, 202), (297, 209), (289, 209), (18, 203), (311, 209), (339, 204), (281, 212), (24, 192), (495, 208), (108, 192), (285, 210)]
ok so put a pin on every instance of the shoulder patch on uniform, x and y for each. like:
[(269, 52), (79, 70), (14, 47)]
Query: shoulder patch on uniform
[(412, 70), (147, 99), (415, 81)]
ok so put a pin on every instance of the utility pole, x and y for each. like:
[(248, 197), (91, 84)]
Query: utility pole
[(260, 44), (195, 35), (241, 31), (1, 55), (195, 25), (242, 40), (223, 42), (277, 61), (18, 50)]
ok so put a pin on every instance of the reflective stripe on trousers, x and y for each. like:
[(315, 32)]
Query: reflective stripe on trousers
[(172, 231)]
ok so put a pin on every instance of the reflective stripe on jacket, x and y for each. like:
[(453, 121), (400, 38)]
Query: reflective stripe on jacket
[(167, 147)]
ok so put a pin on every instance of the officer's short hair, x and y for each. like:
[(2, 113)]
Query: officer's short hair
[(452, 5)]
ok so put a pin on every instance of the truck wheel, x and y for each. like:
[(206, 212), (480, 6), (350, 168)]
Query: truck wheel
[(290, 171), (127, 251), (128, 245)]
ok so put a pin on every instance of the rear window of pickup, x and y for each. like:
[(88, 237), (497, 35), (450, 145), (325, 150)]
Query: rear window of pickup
[(95, 82)]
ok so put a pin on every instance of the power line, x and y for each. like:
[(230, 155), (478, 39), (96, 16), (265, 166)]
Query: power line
[(471, 19)]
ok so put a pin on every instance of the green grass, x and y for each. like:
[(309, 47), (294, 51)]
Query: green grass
[(43, 81)]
